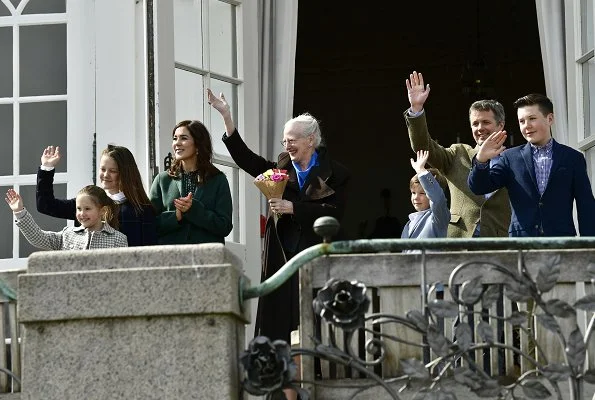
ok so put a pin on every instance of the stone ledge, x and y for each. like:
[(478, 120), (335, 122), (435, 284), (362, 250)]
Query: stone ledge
[(131, 257), (132, 292)]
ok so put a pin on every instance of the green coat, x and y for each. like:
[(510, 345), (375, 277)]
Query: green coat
[(208, 220), (466, 208)]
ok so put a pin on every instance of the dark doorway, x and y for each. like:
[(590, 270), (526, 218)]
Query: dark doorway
[(351, 66)]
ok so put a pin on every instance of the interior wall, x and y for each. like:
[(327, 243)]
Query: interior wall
[(351, 66)]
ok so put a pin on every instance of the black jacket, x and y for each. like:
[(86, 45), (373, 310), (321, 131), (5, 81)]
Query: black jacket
[(140, 229), (323, 194)]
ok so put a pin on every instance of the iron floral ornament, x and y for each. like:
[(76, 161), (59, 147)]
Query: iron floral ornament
[(269, 368), (343, 305)]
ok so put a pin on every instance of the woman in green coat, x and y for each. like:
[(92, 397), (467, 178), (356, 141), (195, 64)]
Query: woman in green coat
[(192, 198)]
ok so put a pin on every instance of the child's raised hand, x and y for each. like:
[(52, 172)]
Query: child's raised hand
[(14, 200), (50, 156), (420, 164)]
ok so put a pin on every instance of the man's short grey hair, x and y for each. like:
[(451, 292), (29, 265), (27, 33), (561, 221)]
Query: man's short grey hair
[(490, 105), (308, 126)]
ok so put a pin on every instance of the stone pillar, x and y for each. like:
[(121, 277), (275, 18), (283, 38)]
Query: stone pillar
[(159, 322)]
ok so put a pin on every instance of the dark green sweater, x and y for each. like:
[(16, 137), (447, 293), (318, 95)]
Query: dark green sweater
[(208, 220)]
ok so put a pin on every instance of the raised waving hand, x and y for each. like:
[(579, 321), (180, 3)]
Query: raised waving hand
[(492, 146), (220, 104), (416, 92), (14, 200), (50, 156), (419, 165)]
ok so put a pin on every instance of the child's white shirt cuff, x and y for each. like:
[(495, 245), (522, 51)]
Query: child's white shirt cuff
[(20, 214)]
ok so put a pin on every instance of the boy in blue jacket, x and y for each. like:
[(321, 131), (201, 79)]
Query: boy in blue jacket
[(544, 178), (429, 198)]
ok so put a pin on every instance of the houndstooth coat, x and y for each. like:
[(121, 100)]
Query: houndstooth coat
[(69, 238)]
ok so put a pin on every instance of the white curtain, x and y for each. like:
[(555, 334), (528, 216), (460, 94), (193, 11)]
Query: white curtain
[(277, 34), (550, 19)]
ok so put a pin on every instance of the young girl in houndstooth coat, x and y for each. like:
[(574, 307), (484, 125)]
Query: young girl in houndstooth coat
[(96, 212)]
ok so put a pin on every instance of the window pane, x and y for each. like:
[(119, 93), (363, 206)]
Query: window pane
[(217, 126), (188, 32), (42, 125), (590, 158), (46, 222), (6, 61), (6, 227), (45, 7), (6, 127), (587, 25), (15, 3), (222, 38), (3, 10), (43, 60), (189, 96), (229, 173), (589, 96)]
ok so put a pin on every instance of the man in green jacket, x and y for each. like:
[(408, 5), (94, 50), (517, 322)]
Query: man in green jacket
[(471, 215)]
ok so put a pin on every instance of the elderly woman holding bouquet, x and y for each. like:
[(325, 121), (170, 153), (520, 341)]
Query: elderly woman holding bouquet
[(316, 187)]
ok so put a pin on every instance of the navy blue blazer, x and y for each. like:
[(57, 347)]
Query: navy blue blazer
[(549, 214)]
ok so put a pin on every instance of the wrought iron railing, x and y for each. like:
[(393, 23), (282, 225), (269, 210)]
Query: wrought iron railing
[(269, 367)]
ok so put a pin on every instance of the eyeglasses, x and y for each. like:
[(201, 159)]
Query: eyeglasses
[(290, 142)]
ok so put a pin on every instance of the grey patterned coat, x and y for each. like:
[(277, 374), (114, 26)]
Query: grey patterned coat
[(69, 238)]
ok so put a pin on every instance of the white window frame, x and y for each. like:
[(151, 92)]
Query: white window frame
[(246, 242), (576, 59), (80, 106)]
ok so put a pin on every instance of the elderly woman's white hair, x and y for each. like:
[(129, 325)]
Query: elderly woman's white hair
[(309, 126)]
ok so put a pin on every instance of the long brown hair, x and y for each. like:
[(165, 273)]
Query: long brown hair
[(130, 183), (204, 148), (101, 200)]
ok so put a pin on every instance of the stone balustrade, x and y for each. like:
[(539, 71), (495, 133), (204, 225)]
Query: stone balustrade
[(160, 322)]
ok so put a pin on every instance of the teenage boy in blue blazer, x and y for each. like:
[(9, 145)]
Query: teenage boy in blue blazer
[(543, 177)]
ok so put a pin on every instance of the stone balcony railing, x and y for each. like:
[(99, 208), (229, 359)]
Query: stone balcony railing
[(160, 322)]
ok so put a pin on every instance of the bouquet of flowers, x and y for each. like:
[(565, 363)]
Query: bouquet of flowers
[(272, 183)]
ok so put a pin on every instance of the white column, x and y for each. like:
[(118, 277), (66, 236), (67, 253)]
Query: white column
[(81, 93), (249, 121), (165, 85), (121, 78)]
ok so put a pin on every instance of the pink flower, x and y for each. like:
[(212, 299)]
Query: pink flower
[(276, 177)]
